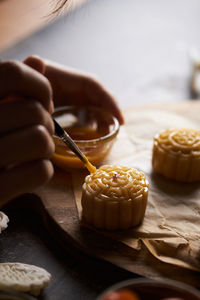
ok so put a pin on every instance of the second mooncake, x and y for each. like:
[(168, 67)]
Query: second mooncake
[(114, 197), (176, 154)]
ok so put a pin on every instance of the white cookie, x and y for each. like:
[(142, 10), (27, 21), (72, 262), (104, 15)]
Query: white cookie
[(3, 221), (23, 278)]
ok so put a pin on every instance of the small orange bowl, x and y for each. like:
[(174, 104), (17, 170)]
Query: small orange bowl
[(146, 289), (93, 130)]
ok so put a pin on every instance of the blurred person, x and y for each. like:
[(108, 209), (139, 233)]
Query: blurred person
[(29, 91)]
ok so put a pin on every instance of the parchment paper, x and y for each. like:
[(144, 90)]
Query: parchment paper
[(171, 227)]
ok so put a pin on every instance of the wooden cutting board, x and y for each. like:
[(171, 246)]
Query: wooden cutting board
[(55, 202)]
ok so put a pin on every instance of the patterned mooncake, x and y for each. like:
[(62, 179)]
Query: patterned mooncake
[(176, 154), (114, 197)]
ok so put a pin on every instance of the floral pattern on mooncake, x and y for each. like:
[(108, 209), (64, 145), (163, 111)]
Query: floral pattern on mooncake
[(114, 197), (176, 154)]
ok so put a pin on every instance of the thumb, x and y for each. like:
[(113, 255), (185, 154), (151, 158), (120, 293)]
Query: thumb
[(36, 63)]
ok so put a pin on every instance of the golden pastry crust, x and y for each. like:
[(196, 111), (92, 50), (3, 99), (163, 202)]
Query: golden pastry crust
[(176, 154), (114, 197)]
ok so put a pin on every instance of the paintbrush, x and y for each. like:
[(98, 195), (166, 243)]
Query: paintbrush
[(64, 136)]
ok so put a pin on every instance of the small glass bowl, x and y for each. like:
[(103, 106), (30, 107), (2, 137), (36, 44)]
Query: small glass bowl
[(146, 289), (93, 130)]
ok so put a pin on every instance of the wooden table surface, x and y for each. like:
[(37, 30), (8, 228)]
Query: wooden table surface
[(139, 49), (74, 275)]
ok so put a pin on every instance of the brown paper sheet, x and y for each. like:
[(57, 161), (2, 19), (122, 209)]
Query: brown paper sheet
[(171, 227)]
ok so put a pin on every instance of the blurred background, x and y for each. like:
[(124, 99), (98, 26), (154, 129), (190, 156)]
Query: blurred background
[(142, 50)]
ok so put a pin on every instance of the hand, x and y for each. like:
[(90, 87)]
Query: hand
[(26, 128), (71, 87)]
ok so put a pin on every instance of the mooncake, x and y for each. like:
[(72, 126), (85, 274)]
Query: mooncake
[(23, 278), (114, 197), (3, 221), (176, 154)]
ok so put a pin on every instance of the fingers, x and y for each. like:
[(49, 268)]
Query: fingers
[(71, 87), (21, 114), (26, 128), (36, 63), (98, 95), (23, 179), (17, 78), (24, 145)]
